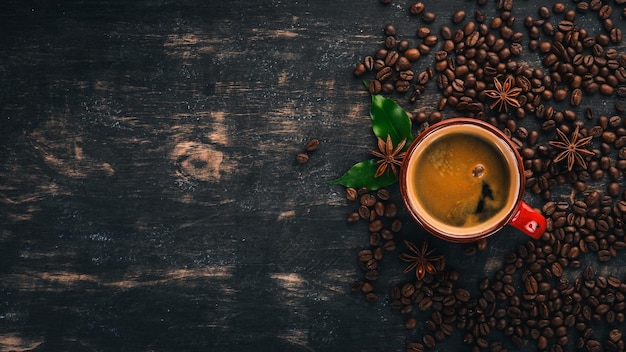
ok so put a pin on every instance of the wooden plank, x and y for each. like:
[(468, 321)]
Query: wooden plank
[(149, 196)]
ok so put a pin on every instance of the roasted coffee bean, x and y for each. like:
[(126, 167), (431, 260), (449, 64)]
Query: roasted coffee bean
[(565, 26), (364, 212), (368, 199), (390, 42), (406, 75), (404, 64), (544, 12), (412, 54), (606, 89), (614, 189), (576, 97), (302, 158), (531, 285), (390, 60), (374, 86), (428, 16), (429, 341), (353, 217), (390, 30), (359, 70), (390, 245), (391, 210), (407, 290), (415, 347), (431, 40), (615, 335), (410, 323), (459, 16), (423, 32), (351, 194), (423, 77), (312, 145), (516, 49), (548, 125), (379, 64), (417, 8), (615, 35), (593, 345)]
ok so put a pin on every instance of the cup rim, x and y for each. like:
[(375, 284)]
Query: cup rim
[(488, 231)]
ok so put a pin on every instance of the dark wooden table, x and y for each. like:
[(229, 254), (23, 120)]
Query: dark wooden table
[(149, 197)]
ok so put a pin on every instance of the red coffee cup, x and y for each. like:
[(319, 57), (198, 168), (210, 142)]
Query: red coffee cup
[(462, 179)]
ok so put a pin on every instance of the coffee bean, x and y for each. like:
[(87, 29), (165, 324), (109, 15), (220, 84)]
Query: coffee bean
[(374, 86), (531, 285), (576, 97), (614, 189), (423, 32), (390, 30), (462, 295), (403, 64), (516, 49), (415, 347), (423, 77), (604, 255), (391, 210), (593, 345), (402, 86), (302, 158), (428, 16), (407, 290), (410, 323), (312, 145), (615, 335), (390, 245), (359, 70), (548, 125), (371, 297), (565, 26), (379, 64), (368, 199), (417, 8), (431, 40), (351, 194), (459, 16), (390, 60), (412, 54), (390, 42), (364, 212), (615, 35), (353, 217), (606, 89), (429, 341)]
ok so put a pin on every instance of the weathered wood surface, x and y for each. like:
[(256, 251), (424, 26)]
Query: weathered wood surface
[(149, 198)]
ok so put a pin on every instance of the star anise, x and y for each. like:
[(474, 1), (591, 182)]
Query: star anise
[(422, 261), (573, 149), (389, 157), (505, 94)]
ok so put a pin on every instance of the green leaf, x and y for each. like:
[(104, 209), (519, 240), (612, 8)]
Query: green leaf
[(388, 118), (362, 175)]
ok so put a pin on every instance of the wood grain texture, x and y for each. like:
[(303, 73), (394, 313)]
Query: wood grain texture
[(149, 197)]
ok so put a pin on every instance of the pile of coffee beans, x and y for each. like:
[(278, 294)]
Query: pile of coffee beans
[(548, 294), (380, 213)]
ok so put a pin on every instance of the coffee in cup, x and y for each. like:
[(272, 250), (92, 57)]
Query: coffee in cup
[(462, 179)]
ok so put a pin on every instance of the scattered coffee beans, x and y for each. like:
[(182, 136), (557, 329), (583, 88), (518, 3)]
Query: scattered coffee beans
[(546, 295)]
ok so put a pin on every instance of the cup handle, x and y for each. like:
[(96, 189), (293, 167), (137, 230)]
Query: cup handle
[(529, 221)]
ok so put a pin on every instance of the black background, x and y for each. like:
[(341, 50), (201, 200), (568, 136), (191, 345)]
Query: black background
[(149, 197)]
